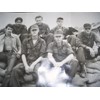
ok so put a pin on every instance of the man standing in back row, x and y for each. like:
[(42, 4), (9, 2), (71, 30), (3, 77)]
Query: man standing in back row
[(44, 30), (19, 28), (60, 27)]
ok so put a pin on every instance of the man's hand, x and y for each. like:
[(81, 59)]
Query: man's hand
[(30, 69), (58, 64), (41, 35), (18, 54), (19, 35), (27, 69), (95, 49), (32, 66), (92, 53)]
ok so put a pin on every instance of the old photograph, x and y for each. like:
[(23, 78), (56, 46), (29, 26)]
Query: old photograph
[(49, 49)]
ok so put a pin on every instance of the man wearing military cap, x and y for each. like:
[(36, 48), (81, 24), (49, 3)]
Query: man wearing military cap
[(60, 26), (86, 50), (44, 30), (33, 50)]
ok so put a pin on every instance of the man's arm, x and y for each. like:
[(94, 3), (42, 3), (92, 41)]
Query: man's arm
[(67, 59), (35, 62), (51, 58), (19, 45), (25, 63)]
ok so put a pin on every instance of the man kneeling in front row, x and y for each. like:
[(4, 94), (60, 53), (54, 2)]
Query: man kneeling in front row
[(60, 54), (61, 65), (32, 53)]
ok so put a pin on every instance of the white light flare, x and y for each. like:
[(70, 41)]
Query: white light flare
[(52, 77)]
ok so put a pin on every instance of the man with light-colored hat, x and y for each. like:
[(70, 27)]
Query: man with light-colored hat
[(33, 50)]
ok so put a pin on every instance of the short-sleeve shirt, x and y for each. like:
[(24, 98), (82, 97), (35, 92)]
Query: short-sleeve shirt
[(87, 39), (31, 51), (60, 53)]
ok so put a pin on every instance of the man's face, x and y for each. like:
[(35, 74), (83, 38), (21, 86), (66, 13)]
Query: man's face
[(8, 30), (58, 37), (34, 31), (38, 21), (18, 22), (87, 30), (59, 22)]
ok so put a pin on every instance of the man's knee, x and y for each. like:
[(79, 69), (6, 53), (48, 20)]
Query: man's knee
[(74, 63), (81, 55), (80, 51), (67, 69), (2, 65), (74, 67), (31, 77)]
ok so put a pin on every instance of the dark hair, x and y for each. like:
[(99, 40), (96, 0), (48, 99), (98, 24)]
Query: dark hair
[(38, 17), (87, 25), (9, 25), (60, 18), (18, 18)]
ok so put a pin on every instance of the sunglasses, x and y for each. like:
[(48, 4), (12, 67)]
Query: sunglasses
[(87, 28), (34, 29)]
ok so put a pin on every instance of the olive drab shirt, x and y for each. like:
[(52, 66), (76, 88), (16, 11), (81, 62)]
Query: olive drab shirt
[(31, 51), (60, 53), (87, 39), (19, 29)]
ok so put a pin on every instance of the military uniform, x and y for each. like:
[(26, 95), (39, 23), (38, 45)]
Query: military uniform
[(20, 29), (32, 53), (44, 32), (60, 53)]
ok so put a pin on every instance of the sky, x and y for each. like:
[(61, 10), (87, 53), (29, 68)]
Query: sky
[(74, 19)]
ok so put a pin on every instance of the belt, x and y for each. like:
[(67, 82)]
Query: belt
[(8, 51)]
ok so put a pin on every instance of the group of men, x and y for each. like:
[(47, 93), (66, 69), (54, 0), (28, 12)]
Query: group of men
[(22, 50)]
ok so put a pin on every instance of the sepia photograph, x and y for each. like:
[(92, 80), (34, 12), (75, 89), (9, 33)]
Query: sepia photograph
[(49, 49)]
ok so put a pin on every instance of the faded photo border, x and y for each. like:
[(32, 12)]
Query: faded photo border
[(49, 93)]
